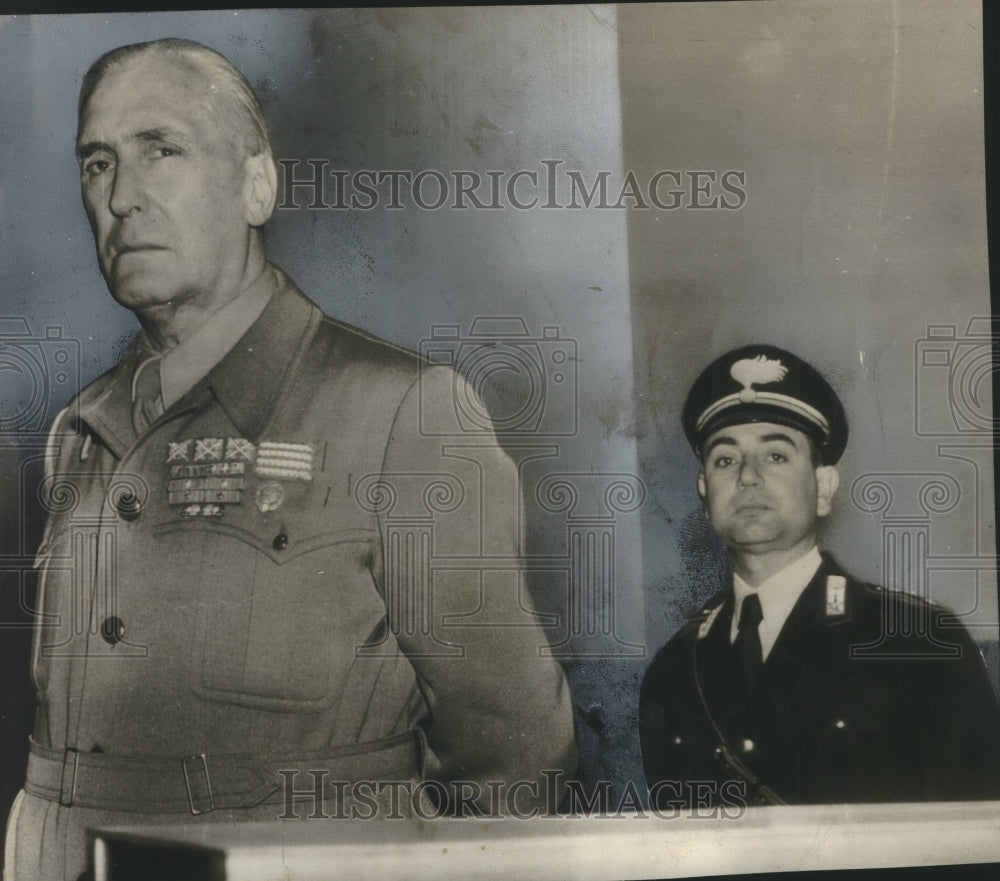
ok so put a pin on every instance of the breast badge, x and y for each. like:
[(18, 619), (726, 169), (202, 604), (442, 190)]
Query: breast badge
[(269, 496)]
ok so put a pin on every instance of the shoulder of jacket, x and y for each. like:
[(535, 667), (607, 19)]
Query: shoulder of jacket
[(96, 387), (877, 593), (362, 345), (708, 608), (678, 646), (344, 360), (701, 621), (67, 421), (866, 593), (340, 355)]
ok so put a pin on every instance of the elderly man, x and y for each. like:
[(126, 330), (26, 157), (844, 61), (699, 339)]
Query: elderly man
[(229, 622), (798, 683)]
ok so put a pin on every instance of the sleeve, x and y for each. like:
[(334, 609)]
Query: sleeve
[(958, 716), (665, 710), (460, 609), (653, 724)]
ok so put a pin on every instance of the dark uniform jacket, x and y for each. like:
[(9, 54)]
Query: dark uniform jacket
[(867, 695), (247, 588)]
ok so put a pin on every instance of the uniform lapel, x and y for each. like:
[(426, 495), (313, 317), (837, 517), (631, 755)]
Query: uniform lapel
[(250, 380), (719, 675), (105, 407), (806, 630)]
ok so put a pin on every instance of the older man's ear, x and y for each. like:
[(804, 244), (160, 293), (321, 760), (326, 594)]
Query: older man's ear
[(260, 188)]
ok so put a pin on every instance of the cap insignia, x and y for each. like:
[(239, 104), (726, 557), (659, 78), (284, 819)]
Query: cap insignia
[(760, 370)]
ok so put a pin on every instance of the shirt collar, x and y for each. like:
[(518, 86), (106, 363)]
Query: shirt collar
[(778, 596)]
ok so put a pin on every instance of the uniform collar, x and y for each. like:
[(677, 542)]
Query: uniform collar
[(814, 604), (248, 381), (778, 596), (812, 621), (184, 365), (105, 407)]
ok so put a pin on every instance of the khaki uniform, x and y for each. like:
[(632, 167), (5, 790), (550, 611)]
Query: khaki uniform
[(246, 588)]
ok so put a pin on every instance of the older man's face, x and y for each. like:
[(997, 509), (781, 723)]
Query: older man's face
[(163, 186)]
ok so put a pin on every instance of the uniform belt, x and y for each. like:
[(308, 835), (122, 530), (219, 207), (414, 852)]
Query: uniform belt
[(203, 783)]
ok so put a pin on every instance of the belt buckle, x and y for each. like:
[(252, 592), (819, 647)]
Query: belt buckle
[(70, 764), (198, 757)]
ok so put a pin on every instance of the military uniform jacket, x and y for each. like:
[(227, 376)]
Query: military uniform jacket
[(867, 695), (253, 575)]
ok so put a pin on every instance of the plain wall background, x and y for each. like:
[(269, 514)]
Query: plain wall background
[(858, 127)]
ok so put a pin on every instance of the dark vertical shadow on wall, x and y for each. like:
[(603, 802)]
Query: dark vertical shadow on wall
[(674, 309)]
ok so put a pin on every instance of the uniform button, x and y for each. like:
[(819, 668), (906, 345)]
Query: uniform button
[(113, 630), (840, 723), (128, 505), (280, 541), (748, 745), (677, 740)]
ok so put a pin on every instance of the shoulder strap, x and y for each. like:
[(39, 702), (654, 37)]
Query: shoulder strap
[(758, 792)]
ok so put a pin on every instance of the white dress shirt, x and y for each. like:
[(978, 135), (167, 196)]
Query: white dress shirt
[(778, 596)]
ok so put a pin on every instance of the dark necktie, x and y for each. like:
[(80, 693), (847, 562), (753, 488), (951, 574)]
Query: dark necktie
[(748, 638), (147, 403)]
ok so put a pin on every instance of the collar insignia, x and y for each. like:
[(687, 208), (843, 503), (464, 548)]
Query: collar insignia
[(706, 625), (836, 595)]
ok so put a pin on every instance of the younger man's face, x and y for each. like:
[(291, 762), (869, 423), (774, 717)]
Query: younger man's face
[(761, 489)]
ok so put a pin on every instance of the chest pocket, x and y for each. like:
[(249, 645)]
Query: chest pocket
[(279, 614)]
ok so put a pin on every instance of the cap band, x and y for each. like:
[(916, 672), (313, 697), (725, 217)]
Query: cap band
[(784, 402)]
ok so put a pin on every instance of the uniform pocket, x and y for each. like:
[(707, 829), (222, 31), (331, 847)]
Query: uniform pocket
[(279, 616)]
